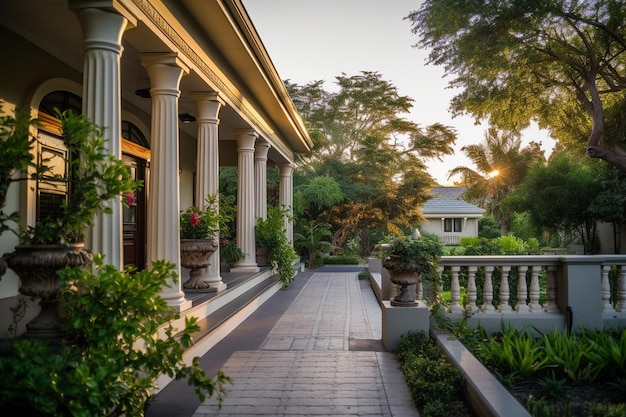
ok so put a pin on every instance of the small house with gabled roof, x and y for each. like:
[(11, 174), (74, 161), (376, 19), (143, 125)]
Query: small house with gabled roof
[(449, 216)]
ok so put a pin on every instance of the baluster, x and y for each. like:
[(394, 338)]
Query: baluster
[(534, 289), (488, 291), (550, 306), (439, 286), (471, 291), (504, 290), (620, 305), (522, 290), (455, 292), (605, 291)]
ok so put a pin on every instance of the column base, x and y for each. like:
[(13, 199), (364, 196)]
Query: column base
[(180, 306), (217, 286)]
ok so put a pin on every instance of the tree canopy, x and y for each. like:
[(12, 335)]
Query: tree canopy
[(374, 154), (559, 62), (501, 165)]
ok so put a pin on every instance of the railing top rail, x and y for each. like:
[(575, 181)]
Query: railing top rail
[(529, 260), (500, 260)]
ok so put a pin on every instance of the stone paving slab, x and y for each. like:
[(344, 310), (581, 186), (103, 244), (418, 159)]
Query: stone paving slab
[(305, 366)]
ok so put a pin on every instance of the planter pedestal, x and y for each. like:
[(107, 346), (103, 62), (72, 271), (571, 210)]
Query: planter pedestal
[(398, 321)]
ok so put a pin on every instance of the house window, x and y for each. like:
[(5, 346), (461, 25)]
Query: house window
[(52, 189), (452, 225)]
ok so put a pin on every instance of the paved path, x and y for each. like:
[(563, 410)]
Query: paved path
[(321, 358)]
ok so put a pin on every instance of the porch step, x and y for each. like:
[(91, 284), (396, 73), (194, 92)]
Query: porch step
[(246, 297), (222, 312)]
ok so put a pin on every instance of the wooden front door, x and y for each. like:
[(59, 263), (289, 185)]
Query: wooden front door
[(134, 215)]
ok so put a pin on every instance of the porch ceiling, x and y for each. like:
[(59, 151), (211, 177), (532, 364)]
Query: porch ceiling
[(255, 95)]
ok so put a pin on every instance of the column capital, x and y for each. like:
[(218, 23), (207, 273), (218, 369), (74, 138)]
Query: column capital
[(261, 149), (206, 96), (165, 71), (285, 169), (148, 59), (112, 6), (208, 105), (245, 139)]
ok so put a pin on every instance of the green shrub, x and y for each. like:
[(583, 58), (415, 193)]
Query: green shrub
[(113, 355), (344, 259), (364, 274), (433, 381)]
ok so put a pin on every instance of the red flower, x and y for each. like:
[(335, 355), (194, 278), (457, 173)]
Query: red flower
[(130, 198), (194, 219)]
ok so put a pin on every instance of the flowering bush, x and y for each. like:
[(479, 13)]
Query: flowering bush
[(203, 224)]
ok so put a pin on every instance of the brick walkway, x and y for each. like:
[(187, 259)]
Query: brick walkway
[(322, 358)]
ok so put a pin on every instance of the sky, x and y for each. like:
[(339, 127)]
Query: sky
[(310, 40)]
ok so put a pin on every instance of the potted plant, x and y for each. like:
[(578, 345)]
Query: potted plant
[(409, 258), (57, 241), (16, 156), (230, 253), (271, 238), (120, 340), (198, 228), (267, 233)]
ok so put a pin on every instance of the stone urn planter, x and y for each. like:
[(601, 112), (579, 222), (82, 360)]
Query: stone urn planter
[(403, 278), (37, 267), (195, 254)]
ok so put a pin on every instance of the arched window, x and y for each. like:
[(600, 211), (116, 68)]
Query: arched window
[(63, 100), (132, 133)]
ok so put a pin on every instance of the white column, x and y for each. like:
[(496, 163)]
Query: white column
[(245, 199), (208, 105), (260, 179), (102, 44), (165, 72), (286, 197)]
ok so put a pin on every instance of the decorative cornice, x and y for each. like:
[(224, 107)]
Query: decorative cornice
[(160, 22)]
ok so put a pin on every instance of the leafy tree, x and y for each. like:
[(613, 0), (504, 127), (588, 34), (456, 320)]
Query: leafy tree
[(560, 62), (375, 156), (559, 197), (500, 166), (488, 227), (313, 240), (318, 194), (609, 204)]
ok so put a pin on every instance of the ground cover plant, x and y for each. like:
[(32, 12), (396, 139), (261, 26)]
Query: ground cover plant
[(563, 374)]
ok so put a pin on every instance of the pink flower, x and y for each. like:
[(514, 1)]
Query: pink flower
[(194, 219), (130, 198)]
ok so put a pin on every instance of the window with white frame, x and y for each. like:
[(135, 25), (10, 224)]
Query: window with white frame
[(452, 225)]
